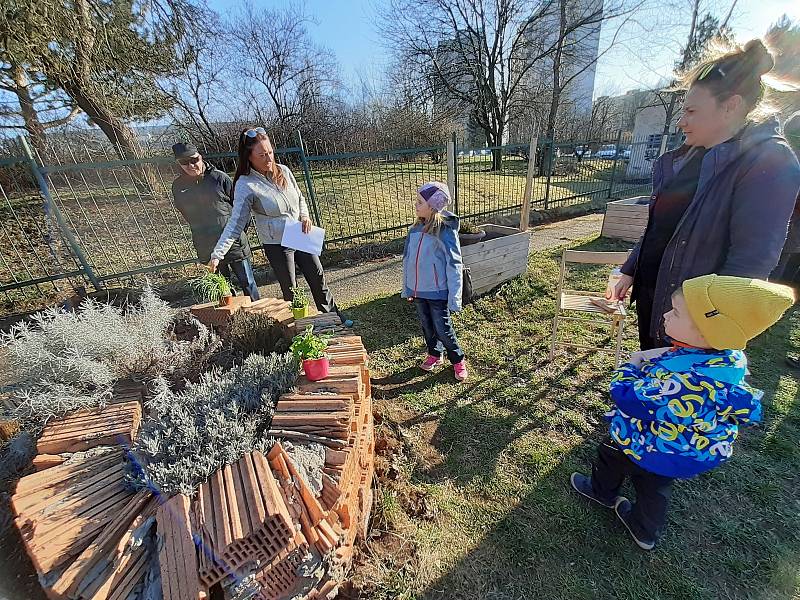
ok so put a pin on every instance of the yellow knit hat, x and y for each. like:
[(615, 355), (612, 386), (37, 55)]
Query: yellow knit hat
[(730, 311)]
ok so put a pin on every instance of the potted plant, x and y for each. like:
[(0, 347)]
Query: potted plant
[(310, 350), (299, 303), (212, 287), (469, 233)]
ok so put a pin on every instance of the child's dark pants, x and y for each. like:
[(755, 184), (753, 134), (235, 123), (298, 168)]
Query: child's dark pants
[(437, 329), (652, 491)]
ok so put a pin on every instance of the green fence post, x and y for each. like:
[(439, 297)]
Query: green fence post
[(547, 158), (452, 170), (614, 166), (312, 196), (62, 223)]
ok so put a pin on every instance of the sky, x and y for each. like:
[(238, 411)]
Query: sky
[(641, 56)]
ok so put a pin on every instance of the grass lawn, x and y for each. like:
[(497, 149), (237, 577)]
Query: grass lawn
[(120, 228), (474, 500)]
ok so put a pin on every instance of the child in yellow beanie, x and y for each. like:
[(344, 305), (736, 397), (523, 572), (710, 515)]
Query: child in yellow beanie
[(677, 410)]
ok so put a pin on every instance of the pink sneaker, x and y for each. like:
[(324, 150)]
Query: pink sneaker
[(460, 369), (431, 363)]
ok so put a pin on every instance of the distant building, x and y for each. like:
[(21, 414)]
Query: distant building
[(648, 132), (578, 64)]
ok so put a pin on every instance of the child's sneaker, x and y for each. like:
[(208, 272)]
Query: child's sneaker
[(431, 362), (460, 369), (623, 509), (583, 485)]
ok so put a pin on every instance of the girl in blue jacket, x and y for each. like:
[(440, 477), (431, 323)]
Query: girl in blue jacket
[(433, 275)]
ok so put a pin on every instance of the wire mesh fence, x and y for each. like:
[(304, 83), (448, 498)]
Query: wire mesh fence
[(35, 261), (118, 221)]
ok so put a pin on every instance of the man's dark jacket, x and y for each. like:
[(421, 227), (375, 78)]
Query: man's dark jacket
[(206, 205)]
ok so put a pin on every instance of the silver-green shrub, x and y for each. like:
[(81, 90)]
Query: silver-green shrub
[(210, 423), (62, 361)]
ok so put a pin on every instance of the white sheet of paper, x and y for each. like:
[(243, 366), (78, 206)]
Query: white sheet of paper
[(311, 242)]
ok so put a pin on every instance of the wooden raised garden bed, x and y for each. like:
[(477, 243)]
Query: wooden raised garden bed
[(255, 519), (626, 219), (502, 255)]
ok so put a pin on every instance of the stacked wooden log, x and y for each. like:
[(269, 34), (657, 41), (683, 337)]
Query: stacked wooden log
[(116, 424), (256, 520), (77, 522)]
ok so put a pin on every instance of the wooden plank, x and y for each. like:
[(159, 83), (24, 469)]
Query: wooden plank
[(623, 230), (525, 212), (498, 275), (501, 229), (599, 258), (180, 577), (499, 253), (643, 211), (468, 252), (497, 263)]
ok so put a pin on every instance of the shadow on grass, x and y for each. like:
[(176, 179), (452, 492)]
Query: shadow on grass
[(511, 527), (730, 533)]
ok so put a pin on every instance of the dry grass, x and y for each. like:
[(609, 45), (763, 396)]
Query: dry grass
[(474, 499)]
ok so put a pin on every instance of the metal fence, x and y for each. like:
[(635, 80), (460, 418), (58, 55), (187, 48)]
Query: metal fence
[(77, 215)]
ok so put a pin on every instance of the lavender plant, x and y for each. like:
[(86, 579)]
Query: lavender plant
[(63, 361), (210, 423)]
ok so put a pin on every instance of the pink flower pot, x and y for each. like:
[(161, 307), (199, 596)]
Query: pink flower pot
[(316, 369)]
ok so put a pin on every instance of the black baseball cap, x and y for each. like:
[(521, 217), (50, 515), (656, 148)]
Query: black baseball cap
[(184, 150)]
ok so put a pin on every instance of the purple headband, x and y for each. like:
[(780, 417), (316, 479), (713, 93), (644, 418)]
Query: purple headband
[(436, 194)]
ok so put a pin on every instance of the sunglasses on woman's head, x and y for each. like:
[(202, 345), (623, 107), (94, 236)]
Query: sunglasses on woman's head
[(251, 133), (192, 160)]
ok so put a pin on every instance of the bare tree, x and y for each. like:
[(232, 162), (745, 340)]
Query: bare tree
[(576, 46), (481, 56), (284, 66), (700, 34), (200, 89)]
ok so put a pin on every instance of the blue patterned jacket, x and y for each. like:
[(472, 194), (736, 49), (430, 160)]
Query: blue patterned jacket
[(678, 415)]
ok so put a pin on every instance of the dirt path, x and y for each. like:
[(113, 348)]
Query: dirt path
[(383, 276)]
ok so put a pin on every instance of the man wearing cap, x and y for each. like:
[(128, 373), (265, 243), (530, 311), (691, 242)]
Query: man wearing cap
[(202, 194)]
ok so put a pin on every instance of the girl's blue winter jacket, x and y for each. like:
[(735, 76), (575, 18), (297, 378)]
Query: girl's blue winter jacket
[(432, 267)]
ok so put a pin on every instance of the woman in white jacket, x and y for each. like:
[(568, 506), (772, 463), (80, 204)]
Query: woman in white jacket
[(269, 191)]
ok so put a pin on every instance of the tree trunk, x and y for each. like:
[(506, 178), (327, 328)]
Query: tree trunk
[(550, 132), (124, 140), (122, 137), (29, 115)]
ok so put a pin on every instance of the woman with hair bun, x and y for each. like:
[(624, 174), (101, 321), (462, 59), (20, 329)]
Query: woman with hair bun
[(721, 202)]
